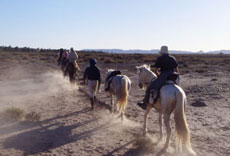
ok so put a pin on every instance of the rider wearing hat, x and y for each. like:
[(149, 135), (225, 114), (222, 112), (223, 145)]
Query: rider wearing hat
[(72, 57), (93, 75), (167, 65)]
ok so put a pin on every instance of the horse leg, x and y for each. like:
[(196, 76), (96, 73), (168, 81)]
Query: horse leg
[(111, 102), (160, 124), (118, 108), (146, 118), (168, 129), (122, 112), (92, 103)]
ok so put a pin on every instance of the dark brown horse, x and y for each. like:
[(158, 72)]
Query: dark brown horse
[(64, 63), (71, 71)]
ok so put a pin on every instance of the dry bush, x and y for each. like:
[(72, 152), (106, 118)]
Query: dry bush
[(107, 60), (201, 70), (32, 116), (13, 113)]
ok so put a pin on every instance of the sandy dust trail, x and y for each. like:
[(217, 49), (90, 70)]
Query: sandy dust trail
[(67, 126)]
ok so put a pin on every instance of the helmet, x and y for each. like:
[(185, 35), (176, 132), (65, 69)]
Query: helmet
[(71, 49), (93, 61)]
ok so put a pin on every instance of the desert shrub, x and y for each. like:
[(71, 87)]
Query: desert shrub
[(185, 65), (43, 59), (25, 58), (201, 70), (107, 60), (32, 116), (13, 113)]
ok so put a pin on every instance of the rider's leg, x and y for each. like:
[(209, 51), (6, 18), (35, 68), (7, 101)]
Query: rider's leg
[(143, 104)]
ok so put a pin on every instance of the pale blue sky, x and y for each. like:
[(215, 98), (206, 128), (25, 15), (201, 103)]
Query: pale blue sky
[(125, 24)]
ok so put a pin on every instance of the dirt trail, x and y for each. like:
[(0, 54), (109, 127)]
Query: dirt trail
[(68, 126)]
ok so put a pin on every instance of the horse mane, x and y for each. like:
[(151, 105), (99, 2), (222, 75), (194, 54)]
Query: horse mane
[(110, 70), (145, 66)]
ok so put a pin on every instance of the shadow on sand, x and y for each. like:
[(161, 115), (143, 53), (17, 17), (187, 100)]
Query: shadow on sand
[(141, 145), (99, 103), (45, 136), (8, 127)]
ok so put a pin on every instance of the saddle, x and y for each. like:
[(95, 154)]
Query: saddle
[(110, 77), (171, 80), (173, 77)]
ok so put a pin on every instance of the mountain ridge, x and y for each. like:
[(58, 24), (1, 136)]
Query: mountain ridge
[(154, 51)]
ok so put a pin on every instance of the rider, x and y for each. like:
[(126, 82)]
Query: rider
[(93, 75), (72, 57), (64, 57), (167, 65), (60, 56)]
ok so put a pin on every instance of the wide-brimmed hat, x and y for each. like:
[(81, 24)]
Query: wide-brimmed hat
[(164, 50)]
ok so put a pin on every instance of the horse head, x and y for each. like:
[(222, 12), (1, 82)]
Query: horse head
[(145, 75)]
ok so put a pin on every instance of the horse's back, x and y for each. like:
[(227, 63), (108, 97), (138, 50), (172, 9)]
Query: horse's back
[(118, 80), (169, 94), (171, 90)]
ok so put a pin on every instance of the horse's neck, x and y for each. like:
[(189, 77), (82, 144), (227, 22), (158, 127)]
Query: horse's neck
[(150, 75)]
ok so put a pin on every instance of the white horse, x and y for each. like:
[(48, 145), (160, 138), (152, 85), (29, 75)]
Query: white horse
[(172, 98), (119, 87), (145, 75)]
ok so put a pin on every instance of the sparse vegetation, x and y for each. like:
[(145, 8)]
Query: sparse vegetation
[(13, 113), (204, 78), (32, 116)]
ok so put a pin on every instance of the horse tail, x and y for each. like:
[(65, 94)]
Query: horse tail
[(182, 129), (123, 95)]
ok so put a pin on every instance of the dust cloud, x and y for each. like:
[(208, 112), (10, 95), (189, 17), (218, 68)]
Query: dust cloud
[(21, 88)]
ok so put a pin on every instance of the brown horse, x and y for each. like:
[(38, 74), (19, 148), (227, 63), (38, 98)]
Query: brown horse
[(71, 71), (64, 63)]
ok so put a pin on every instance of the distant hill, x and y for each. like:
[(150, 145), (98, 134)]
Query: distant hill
[(115, 51), (154, 51)]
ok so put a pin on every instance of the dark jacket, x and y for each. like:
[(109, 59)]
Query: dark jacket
[(92, 73), (166, 63)]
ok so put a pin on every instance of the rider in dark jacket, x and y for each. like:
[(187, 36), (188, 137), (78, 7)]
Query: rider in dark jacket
[(92, 72), (167, 65), (93, 75)]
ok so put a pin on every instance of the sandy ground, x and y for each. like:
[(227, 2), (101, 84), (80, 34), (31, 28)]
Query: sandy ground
[(68, 126)]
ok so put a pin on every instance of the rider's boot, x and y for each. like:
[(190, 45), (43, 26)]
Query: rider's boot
[(143, 104)]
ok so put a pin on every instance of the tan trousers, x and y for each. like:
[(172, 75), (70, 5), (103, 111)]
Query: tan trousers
[(93, 87)]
